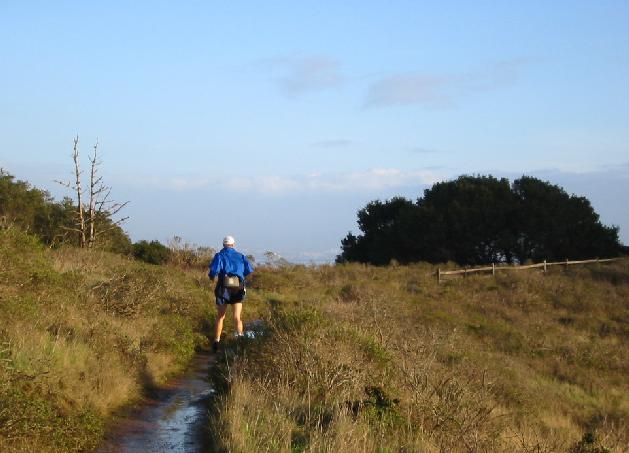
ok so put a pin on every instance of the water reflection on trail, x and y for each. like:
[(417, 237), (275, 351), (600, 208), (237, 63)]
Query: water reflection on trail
[(174, 420)]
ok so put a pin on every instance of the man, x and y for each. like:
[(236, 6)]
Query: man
[(227, 264)]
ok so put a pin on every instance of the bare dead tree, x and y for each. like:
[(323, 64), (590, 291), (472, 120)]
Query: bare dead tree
[(96, 188), (4, 222), (100, 206), (79, 226)]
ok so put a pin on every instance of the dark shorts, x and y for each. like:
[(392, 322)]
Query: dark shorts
[(229, 297)]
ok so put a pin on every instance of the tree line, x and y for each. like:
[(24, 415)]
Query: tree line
[(54, 222), (57, 223), (481, 219)]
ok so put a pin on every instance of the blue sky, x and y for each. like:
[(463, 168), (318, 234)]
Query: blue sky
[(277, 121)]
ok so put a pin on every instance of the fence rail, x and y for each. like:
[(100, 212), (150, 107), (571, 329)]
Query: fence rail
[(544, 265)]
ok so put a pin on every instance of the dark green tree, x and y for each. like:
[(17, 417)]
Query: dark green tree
[(468, 220), (152, 252), (555, 225), (381, 240), (20, 204), (481, 219)]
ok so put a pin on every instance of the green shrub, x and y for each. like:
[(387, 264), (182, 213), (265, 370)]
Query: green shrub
[(151, 252)]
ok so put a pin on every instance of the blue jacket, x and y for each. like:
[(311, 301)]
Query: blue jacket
[(229, 261)]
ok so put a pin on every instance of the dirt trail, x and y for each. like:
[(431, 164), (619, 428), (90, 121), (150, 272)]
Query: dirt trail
[(175, 419)]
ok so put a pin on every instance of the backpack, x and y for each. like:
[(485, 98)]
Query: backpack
[(231, 283)]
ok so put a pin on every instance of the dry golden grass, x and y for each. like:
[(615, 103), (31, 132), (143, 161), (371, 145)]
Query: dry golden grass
[(358, 358), (354, 358)]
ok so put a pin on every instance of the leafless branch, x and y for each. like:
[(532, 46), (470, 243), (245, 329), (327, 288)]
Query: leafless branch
[(104, 200), (63, 183), (117, 207), (113, 226), (93, 188), (79, 190), (78, 230)]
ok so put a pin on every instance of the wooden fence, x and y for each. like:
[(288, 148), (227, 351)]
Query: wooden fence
[(493, 268)]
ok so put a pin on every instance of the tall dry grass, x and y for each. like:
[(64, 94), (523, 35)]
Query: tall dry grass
[(82, 334), (359, 358)]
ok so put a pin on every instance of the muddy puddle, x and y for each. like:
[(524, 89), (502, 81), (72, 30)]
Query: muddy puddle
[(174, 419)]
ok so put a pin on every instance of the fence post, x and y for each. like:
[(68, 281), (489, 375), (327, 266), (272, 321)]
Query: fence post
[(545, 268), (465, 273), (493, 269), (567, 263), (438, 275)]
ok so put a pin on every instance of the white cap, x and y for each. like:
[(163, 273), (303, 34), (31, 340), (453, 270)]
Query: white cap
[(229, 240)]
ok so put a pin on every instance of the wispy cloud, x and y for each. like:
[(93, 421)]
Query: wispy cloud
[(307, 74), (409, 89), (370, 180), (263, 184), (376, 179), (431, 90), (335, 143), (188, 183), (421, 150), (177, 183)]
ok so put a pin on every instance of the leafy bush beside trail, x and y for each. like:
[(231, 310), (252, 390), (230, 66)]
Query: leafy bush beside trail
[(362, 358)]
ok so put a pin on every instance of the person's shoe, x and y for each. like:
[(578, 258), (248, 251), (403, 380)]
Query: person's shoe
[(215, 347)]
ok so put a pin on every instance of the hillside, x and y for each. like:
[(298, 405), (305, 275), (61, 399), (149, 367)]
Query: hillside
[(360, 358), (354, 357), (83, 334)]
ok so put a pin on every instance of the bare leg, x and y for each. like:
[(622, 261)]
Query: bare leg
[(237, 320), (220, 317)]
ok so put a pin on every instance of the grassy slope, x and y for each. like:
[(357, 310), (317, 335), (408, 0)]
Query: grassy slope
[(357, 358), (384, 359), (82, 334)]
